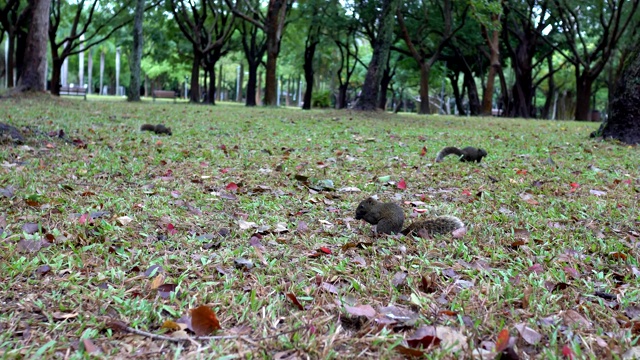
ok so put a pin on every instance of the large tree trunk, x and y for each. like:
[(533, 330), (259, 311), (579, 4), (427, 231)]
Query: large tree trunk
[(136, 53), (309, 52), (624, 109), (381, 46), (35, 57), (252, 84), (102, 54), (274, 25), (454, 77), (11, 60), (472, 93), (384, 87), (425, 71), (342, 96), (240, 82), (583, 97), (194, 97), (551, 90), (211, 92), (56, 76)]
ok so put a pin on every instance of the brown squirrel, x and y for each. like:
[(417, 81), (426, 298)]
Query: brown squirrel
[(158, 129), (389, 218), (467, 154)]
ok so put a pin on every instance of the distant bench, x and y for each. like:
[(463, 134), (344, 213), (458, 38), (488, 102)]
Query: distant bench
[(164, 94), (74, 91)]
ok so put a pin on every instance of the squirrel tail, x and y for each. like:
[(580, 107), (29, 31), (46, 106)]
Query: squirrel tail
[(438, 225), (148, 127), (448, 151)]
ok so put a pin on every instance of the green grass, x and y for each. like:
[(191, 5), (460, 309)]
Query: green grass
[(485, 280)]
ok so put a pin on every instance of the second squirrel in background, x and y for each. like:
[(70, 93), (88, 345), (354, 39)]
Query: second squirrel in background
[(389, 218), (467, 154), (158, 129)]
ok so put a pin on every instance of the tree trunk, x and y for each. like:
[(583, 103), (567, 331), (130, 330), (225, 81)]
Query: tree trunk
[(211, 93), (56, 76), (90, 72), (384, 87), (487, 96), (35, 57), (194, 97), (252, 84), (11, 61), (583, 97), (424, 89), (454, 77), (274, 24), (309, 53), (381, 45), (136, 53), (551, 91), (259, 90), (342, 96), (624, 109), (472, 93)]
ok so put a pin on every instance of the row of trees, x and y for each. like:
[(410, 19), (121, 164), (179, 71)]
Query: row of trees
[(491, 53)]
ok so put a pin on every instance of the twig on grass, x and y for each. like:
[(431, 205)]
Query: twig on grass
[(121, 326)]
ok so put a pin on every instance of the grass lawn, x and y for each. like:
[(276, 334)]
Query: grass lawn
[(250, 211)]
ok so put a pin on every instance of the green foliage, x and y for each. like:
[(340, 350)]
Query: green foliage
[(321, 99)]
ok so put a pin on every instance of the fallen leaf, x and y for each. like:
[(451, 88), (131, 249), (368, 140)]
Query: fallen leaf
[(244, 225), (204, 321), (157, 281), (402, 185), (568, 352), (424, 337), (503, 340), (124, 220), (232, 187), (295, 301), (572, 317), (171, 230), (165, 290), (407, 351), (90, 347), (64, 316), (529, 335), (361, 310), (399, 278), (171, 325)]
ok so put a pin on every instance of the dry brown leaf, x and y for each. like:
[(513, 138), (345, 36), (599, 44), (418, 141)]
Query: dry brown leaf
[(157, 281), (204, 321)]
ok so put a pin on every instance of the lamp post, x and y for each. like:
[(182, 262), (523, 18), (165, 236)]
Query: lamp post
[(186, 80)]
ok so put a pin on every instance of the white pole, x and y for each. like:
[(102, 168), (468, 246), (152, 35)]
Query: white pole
[(278, 94), (300, 92), (101, 72), (81, 62), (118, 71), (89, 70), (238, 82), (65, 72)]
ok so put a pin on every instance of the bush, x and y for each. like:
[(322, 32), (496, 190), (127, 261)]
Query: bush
[(321, 99)]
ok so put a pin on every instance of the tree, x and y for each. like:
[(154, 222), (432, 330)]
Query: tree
[(591, 33), (207, 25), (624, 108), (96, 23), (35, 55), (345, 36), (425, 42), (254, 45), (14, 20), (381, 46), (272, 24), (136, 54)]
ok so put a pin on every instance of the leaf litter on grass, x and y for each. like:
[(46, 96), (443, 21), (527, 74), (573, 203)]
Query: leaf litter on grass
[(558, 242)]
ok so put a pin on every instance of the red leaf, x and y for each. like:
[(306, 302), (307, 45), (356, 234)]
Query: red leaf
[(224, 171), (574, 186), (204, 321), (568, 352), (423, 152), (521, 172), (171, 229), (402, 184), (83, 218), (295, 301), (232, 187), (325, 250), (503, 340), (466, 192)]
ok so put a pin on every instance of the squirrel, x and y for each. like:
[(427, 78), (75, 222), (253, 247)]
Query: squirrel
[(467, 154), (389, 218), (158, 129)]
